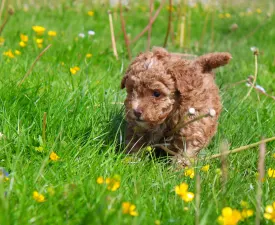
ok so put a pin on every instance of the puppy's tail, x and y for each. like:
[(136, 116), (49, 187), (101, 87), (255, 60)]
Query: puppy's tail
[(213, 60)]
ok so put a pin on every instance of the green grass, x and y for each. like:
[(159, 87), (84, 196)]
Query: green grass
[(85, 127)]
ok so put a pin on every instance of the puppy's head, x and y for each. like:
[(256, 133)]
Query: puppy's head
[(150, 90)]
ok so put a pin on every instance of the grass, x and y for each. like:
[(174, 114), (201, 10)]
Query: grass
[(85, 127)]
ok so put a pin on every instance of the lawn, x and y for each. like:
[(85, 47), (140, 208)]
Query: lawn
[(62, 127)]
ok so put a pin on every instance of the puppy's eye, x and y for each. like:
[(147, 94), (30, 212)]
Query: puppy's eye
[(156, 94)]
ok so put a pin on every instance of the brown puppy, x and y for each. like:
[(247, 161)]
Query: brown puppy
[(161, 89)]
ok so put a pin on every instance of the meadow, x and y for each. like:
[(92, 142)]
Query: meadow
[(62, 119)]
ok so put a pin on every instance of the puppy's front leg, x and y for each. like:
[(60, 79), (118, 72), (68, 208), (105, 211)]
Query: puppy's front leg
[(187, 150), (133, 142)]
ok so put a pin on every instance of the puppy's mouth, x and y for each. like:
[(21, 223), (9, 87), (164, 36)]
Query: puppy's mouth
[(142, 123)]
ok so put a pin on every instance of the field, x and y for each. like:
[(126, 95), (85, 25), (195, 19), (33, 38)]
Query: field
[(62, 123)]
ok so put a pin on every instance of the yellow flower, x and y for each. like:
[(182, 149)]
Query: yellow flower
[(91, 13), (74, 70), (52, 33), (26, 8), (259, 11), (244, 204), (38, 197), (271, 173), (221, 16), (205, 168), (128, 208), (149, 148), (113, 183), (89, 55), (22, 44), (17, 52), (3, 176), (39, 149), (54, 156), (227, 15), (143, 8), (182, 191), (157, 222), (172, 9), (51, 191), (218, 171), (273, 155), (40, 45), (39, 30), (270, 212), (189, 173), (129, 159), (245, 213), (24, 38), (2, 40), (39, 40), (242, 14), (100, 180), (229, 216), (9, 54)]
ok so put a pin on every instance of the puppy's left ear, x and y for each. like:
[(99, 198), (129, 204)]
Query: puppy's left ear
[(213, 60), (123, 81)]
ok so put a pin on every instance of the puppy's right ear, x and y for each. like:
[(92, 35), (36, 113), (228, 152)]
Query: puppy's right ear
[(123, 81)]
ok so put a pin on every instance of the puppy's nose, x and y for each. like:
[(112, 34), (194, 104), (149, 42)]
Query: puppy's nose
[(137, 113)]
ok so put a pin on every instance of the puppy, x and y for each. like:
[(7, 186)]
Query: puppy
[(161, 89)]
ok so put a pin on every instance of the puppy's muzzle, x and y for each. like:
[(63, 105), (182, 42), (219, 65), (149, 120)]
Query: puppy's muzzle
[(137, 113)]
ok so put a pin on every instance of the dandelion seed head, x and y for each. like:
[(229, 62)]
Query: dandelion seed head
[(81, 35), (212, 112), (91, 33), (260, 88), (192, 111)]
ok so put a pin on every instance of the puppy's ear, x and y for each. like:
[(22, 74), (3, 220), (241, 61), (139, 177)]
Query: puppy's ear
[(213, 60), (160, 52), (184, 76), (123, 81)]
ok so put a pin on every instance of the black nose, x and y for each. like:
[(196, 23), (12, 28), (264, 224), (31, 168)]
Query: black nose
[(137, 113)]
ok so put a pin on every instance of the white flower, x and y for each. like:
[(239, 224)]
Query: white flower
[(1, 135), (91, 33), (26, 7), (81, 35), (254, 49), (212, 112), (260, 88), (116, 2), (192, 111)]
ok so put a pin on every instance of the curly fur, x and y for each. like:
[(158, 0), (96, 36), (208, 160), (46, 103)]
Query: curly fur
[(161, 87)]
